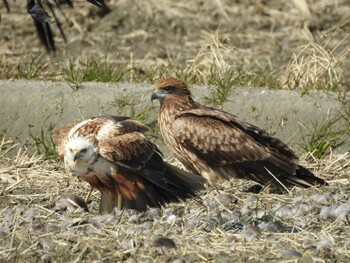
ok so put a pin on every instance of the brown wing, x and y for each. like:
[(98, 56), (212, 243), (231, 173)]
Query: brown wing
[(221, 138), (130, 149), (59, 137), (143, 178)]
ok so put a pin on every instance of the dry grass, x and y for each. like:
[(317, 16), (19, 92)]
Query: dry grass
[(300, 42), (216, 55), (314, 66), (304, 44), (310, 225)]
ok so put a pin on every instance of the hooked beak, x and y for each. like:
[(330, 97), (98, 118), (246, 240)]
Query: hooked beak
[(154, 96), (76, 155)]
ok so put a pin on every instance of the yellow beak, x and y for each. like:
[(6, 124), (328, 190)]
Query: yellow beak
[(76, 154)]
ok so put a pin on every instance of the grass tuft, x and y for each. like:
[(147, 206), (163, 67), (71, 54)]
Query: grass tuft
[(323, 138), (72, 76), (223, 83), (33, 70), (44, 145), (92, 70)]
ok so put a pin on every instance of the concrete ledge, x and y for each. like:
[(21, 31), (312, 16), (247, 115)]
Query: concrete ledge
[(28, 107)]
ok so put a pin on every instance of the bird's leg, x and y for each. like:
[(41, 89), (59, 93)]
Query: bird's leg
[(120, 201), (89, 194)]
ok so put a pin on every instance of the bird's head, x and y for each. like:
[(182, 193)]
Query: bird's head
[(79, 148), (169, 87)]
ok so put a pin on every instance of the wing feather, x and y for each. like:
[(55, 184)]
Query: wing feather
[(221, 138), (138, 172), (123, 142), (257, 134)]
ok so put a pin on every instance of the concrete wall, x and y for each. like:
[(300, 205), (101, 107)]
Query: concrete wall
[(27, 107)]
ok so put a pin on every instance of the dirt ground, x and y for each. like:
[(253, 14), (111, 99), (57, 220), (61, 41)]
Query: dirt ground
[(39, 222)]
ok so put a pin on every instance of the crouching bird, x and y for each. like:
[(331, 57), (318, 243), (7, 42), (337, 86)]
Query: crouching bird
[(215, 144), (113, 155)]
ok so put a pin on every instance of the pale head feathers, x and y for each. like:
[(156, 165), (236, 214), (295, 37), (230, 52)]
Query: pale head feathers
[(79, 148)]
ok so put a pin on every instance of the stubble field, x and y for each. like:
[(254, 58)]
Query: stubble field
[(297, 44)]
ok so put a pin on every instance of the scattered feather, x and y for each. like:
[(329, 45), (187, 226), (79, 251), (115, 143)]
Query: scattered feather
[(324, 245), (289, 253), (342, 212), (308, 243), (327, 213), (231, 239), (71, 203), (252, 199), (271, 226), (171, 219), (251, 232)]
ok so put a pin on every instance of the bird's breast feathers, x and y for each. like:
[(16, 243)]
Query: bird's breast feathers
[(77, 167), (84, 168)]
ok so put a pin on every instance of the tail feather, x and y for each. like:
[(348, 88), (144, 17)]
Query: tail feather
[(304, 178), (109, 200), (280, 177), (174, 184), (194, 182), (307, 176)]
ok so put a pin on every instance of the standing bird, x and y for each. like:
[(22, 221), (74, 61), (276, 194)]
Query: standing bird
[(215, 144), (40, 11), (113, 155)]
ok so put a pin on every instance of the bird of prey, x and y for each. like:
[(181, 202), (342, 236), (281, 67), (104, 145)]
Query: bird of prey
[(113, 155), (215, 144), (39, 11)]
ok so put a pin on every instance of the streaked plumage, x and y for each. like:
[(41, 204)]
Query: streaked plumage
[(113, 155), (216, 144)]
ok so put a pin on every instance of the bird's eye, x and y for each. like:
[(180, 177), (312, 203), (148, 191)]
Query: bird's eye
[(84, 150), (169, 88), (70, 150)]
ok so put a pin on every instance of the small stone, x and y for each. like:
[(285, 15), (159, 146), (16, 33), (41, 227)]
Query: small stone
[(161, 241)]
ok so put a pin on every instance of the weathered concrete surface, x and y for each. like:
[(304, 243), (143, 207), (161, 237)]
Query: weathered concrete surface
[(27, 107)]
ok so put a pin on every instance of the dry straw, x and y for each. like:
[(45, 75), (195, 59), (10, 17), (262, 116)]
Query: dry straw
[(314, 65), (310, 223)]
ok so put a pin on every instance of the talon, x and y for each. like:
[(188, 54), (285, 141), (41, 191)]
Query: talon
[(89, 194)]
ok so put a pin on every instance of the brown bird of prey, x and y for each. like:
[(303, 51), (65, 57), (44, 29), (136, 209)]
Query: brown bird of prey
[(113, 155), (215, 144)]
